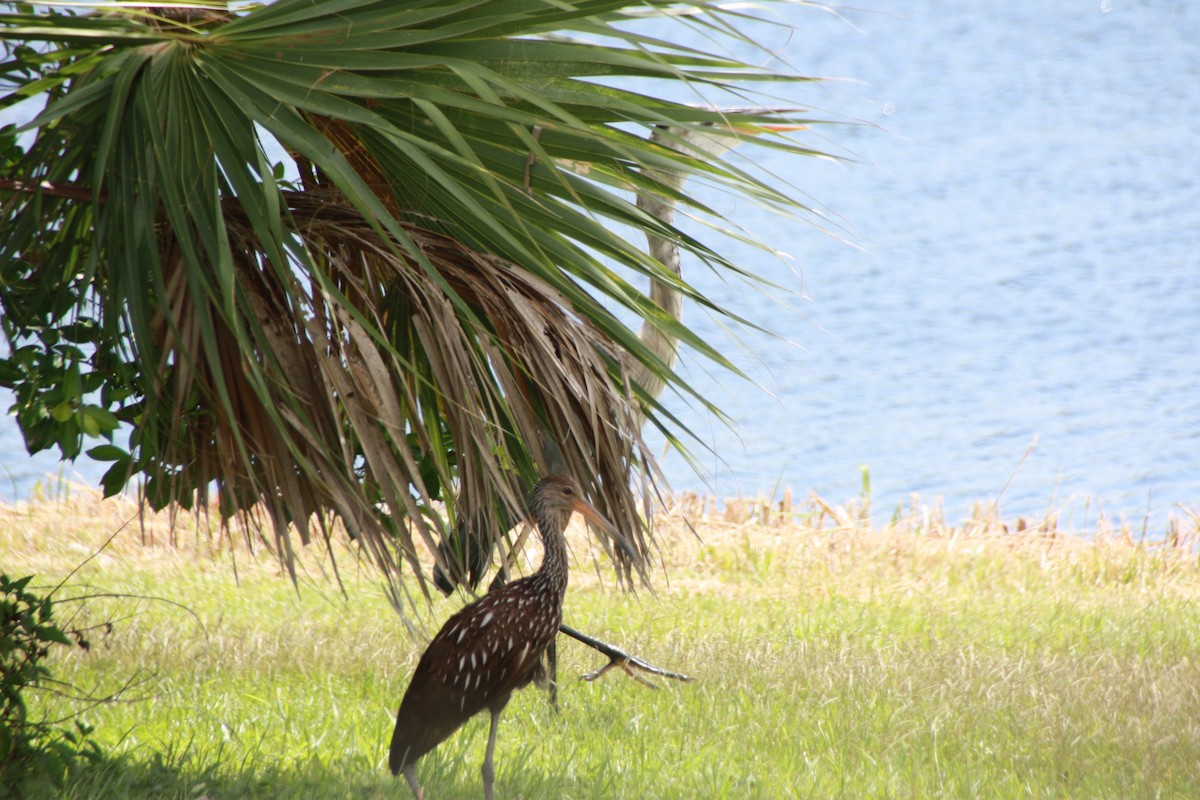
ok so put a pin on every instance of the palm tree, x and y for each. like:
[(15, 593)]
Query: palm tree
[(348, 259)]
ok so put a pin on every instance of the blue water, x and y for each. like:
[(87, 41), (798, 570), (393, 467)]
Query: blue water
[(1013, 254), (1027, 219)]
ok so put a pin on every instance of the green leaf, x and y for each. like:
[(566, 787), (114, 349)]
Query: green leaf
[(115, 477), (52, 633), (63, 411), (107, 452)]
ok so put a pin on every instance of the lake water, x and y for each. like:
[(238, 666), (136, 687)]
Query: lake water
[(1013, 255)]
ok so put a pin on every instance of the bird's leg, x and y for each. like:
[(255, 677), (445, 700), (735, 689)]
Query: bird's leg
[(410, 774), (487, 770), (552, 671), (619, 658)]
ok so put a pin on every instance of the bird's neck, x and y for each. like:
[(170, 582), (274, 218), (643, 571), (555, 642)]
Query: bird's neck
[(554, 560)]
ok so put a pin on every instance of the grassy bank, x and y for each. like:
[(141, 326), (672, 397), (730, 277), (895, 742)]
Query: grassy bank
[(831, 658)]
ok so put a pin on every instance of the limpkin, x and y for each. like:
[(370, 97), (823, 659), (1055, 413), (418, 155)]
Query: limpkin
[(493, 646)]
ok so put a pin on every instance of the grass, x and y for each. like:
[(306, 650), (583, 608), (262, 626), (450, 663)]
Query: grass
[(831, 657)]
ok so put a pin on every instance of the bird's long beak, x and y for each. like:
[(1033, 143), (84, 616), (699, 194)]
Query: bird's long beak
[(589, 512)]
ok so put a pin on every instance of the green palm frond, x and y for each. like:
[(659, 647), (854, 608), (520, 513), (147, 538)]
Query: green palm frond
[(351, 257)]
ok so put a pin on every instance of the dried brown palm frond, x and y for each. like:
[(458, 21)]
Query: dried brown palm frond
[(478, 351)]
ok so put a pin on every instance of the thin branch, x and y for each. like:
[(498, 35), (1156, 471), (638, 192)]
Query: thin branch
[(619, 658), (137, 679), (70, 191), (98, 551)]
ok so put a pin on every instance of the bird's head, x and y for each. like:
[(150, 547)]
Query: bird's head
[(556, 497)]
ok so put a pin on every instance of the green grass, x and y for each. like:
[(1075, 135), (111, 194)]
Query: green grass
[(828, 662)]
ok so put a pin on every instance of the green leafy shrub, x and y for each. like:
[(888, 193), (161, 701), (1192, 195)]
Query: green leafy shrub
[(34, 754)]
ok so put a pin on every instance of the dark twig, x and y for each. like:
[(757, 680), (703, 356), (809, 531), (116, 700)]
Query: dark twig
[(69, 191), (619, 658)]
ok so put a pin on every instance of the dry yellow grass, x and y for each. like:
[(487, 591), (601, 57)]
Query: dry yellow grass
[(744, 546), (805, 546)]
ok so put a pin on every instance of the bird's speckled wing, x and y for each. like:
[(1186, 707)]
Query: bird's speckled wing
[(479, 657)]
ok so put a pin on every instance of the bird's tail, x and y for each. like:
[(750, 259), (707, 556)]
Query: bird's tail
[(422, 723)]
